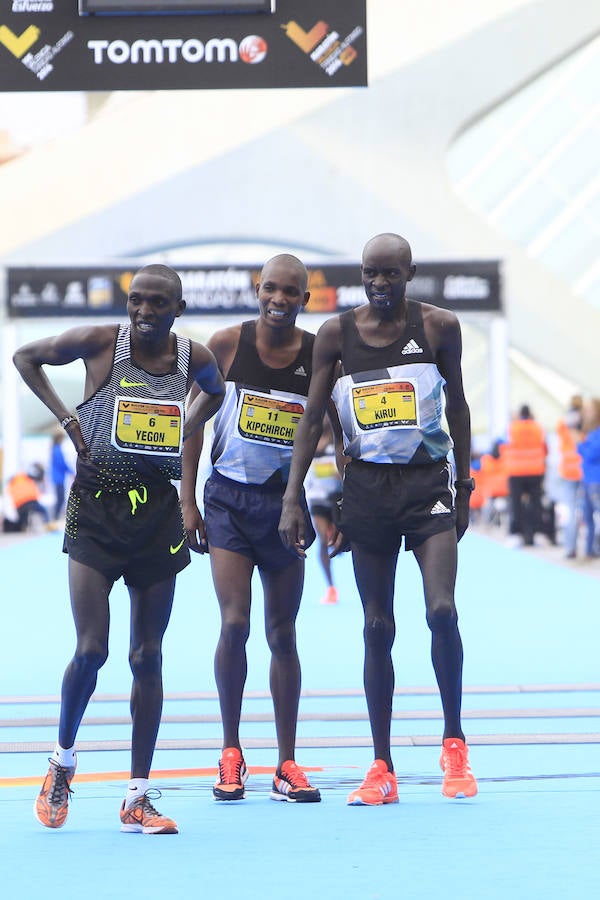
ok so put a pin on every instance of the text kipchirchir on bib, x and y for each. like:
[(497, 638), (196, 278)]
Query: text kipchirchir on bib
[(268, 418)]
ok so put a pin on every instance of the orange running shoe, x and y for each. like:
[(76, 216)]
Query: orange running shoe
[(291, 784), (330, 597), (459, 780), (52, 803), (142, 817), (232, 776), (380, 786)]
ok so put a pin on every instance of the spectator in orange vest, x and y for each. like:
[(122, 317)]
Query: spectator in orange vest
[(525, 454), (495, 482), (24, 492), (570, 471), (478, 493)]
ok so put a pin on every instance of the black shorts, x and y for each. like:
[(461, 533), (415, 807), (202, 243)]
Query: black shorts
[(326, 507), (138, 535), (244, 518), (383, 502)]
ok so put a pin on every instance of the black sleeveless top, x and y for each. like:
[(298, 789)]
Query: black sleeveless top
[(255, 427), (390, 399)]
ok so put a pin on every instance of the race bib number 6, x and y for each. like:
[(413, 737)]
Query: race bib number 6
[(152, 427), (268, 419), (385, 404)]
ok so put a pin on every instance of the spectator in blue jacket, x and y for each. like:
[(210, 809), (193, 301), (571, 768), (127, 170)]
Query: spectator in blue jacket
[(589, 450), (59, 469)]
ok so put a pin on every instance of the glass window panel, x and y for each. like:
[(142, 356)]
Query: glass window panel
[(507, 171), (582, 90), (572, 251), (578, 163), (592, 212), (469, 149), (592, 295), (546, 129), (506, 116), (527, 216)]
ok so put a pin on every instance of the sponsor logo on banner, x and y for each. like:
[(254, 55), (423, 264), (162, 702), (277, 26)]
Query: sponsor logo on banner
[(470, 286), (324, 45), (251, 49), (39, 60), (32, 6)]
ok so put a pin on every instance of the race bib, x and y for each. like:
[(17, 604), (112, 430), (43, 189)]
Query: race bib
[(153, 427), (324, 468), (385, 404), (268, 419)]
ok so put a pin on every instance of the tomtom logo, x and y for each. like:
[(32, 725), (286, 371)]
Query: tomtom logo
[(252, 49)]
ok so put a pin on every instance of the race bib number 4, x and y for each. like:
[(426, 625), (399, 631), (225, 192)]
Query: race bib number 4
[(152, 427), (268, 419), (385, 404)]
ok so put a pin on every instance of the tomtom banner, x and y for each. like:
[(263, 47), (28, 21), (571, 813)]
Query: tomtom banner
[(473, 286), (45, 45)]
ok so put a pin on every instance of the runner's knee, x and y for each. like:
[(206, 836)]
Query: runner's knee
[(235, 632), (146, 661), (91, 655), (282, 639), (379, 633), (442, 617)]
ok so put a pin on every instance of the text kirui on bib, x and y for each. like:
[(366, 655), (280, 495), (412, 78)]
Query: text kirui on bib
[(268, 418), (153, 427), (385, 404)]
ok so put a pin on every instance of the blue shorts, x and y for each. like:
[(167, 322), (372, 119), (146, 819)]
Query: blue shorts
[(244, 518), (138, 535), (385, 502)]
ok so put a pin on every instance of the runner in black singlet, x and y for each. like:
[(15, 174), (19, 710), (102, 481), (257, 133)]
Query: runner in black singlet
[(267, 365), (400, 371), (123, 514)]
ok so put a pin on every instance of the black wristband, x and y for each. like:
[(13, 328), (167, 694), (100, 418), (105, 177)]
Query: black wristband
[(468, 483), (67, 421)]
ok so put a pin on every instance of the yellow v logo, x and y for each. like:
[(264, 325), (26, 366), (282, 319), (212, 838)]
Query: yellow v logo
[(19, 44)]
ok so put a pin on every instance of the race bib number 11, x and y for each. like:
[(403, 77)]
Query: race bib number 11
[(268, 419)]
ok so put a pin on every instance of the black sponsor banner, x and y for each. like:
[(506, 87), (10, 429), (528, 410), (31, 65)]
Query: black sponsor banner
[(102, 291), (45, 45)]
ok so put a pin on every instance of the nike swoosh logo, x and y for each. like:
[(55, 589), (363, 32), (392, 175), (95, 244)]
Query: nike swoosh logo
[(126, 384), (176, 549)]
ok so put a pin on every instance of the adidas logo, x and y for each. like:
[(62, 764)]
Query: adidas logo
[(300, 371), (439, 509), (412, 347)]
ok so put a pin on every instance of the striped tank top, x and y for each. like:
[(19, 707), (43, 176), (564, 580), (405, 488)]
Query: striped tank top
[(133, 424)]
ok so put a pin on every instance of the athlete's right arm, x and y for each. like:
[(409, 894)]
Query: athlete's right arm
[(88, 343), (192, 519), (220, 346), (326, 355)]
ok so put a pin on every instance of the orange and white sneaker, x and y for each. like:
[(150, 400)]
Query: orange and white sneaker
[(330, 597), (459, 780), (291, 784), (380, 786), (142, 817), (232, 776), (51, 806)]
